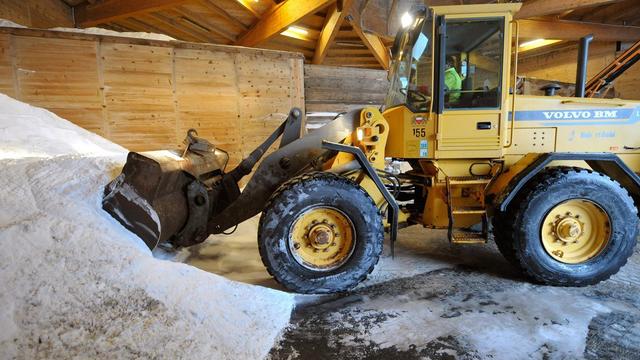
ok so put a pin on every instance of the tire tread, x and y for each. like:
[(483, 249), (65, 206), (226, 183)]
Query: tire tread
[(290, 185), (505, 226)]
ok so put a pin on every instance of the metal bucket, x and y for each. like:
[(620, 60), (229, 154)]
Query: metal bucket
[(149, 197)]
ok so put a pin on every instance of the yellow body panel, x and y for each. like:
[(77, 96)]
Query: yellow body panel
[(579, 125), (410, 135), (452, 144), (371, 137)]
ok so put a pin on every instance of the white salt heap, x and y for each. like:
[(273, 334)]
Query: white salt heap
[(9, 23), (101, 31), (98, 31), (74, 283)]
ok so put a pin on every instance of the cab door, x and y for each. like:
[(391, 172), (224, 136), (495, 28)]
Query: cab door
[(472, 73)]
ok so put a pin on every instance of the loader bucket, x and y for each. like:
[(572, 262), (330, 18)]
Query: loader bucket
[(149, 197)]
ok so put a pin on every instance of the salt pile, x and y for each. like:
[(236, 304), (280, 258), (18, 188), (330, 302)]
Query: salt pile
[(98, 31), (74, 283), (101, 31), (9, 23)]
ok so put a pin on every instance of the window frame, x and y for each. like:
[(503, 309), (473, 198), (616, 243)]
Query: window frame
[(441, 46)]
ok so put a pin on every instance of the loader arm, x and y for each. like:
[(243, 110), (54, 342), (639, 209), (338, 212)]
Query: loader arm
[(182, 198), (296, 157)]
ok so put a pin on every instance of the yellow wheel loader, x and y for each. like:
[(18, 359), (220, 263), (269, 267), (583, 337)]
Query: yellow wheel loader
[(551, 178)]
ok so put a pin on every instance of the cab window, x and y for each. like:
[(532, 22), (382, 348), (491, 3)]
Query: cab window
[(411, 70), (473, 63)]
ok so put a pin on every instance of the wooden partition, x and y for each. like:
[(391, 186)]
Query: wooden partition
[(145, 94), (332, 89)]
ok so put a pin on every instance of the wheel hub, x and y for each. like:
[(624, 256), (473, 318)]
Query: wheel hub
[(322, 238), (575, 231), (568, 229)]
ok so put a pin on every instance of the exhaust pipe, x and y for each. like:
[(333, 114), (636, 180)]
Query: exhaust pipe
[(583, 58)]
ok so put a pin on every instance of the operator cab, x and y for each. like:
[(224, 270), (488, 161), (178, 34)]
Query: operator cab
[(450, 67), (472, 66)]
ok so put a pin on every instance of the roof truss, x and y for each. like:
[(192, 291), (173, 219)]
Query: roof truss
[(256, 22), (534, 8), (333, 22), (280, 18), (101, 12)]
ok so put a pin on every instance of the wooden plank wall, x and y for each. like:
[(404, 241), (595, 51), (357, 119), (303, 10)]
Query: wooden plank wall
[(561, 66), (331, 89), (37, 13), (145, 94), (534, 86)]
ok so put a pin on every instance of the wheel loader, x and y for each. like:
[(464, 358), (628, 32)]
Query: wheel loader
[(552, 180)]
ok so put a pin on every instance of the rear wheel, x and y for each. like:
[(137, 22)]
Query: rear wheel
[(320, 233), (569, 226)]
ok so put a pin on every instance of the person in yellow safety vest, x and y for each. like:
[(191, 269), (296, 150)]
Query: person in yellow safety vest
[(452, 81)]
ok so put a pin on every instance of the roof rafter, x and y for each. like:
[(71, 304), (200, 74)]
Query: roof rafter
[(179, 28), (203, 23), (534, 8), (573, 30), (333, 22), (605, 14), (222, 12), (277, 20), (247, 5), (373, 43), (109, 10)]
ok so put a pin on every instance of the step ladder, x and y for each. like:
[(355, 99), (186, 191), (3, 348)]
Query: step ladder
[(457, 236)]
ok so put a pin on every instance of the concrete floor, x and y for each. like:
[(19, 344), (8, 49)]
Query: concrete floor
[(440, 301)]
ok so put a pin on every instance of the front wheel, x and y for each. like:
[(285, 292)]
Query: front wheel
[(569, 226), (320, 233)]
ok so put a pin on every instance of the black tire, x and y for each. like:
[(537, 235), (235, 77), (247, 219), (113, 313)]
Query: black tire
[(518, 231), (317, 190)]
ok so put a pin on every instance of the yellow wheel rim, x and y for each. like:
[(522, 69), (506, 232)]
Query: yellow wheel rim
[(575, 231), (322, 238)]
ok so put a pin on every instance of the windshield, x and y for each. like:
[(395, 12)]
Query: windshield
[(411, 70)]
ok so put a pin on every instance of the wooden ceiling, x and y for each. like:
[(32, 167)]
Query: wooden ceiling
[(625, 13), (339, 32)]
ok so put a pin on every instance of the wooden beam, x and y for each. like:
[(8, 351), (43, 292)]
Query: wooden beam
[(566, 51), (534, 8), (248, 6), (606, 14), (353, 61), (203, 23), (284, 15), (332, 24), (141, 26), (222, 12), (176, 27), (373, 43), (574, 30), (549, 61), (109, 10)]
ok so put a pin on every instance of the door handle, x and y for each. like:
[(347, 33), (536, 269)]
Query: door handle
[(483, 125)]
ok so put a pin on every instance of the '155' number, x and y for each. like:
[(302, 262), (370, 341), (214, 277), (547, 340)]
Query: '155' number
[(422, 132)]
